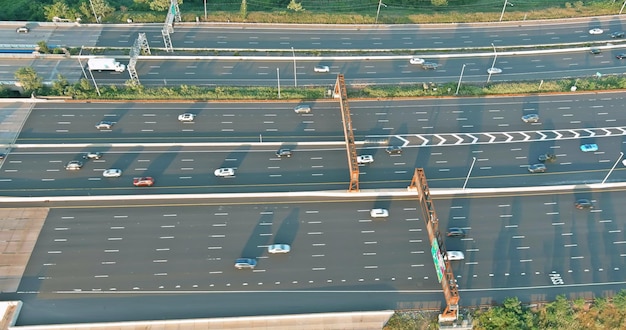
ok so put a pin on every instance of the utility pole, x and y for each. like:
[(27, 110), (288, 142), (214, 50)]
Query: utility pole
[(295, 79), (459, 84), (495, 56)]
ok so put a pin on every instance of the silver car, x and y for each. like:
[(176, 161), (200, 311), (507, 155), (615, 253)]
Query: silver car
[(242, 263), (278, 248), (530, 118), (74, 165), (302, 108)]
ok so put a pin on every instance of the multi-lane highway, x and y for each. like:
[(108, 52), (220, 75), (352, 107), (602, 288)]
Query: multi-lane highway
[(336, 37), (91, 255), (442, 135)]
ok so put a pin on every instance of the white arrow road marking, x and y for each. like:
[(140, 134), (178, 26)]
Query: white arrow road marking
[(421, 137), (439, 137), (527, 137), (543, 136), (491, 137), (591, 133), (576, 134), (621, 129), (510, 137), (405, 141), (607, 131), (558, 135), (474, 139), (459, 139)]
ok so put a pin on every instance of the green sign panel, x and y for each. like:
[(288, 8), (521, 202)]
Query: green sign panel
[(440, 265)]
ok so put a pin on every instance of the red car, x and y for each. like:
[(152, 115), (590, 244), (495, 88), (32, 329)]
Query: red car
[(145, 181)]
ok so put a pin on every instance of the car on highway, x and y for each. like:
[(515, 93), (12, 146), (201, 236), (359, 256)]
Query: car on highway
[(112, 173), (589, 147), (595, 51), (583, 204), (2, 155), (596, 31), (494, 70), (537, 168), (394, 150), (454, 255), (104, 124), (73, 165), (92, 155), (429, 66), (365, 159), (530, 118), (379, 213), (186, 117), (302, 108), (621, 56), (617, 34), (223, 172), (416, 60), (144, 181), (278, 248), (243, 263), (283, 152), (22, 29), (455, 232), (321, 69), (547, 158)]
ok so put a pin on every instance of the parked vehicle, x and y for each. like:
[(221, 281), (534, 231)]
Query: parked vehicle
[(105, 64)]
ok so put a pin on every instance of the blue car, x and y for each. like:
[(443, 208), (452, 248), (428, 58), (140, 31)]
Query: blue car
[(589, 147)]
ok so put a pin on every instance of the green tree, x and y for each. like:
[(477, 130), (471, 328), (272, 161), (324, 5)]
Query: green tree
[(158, 5), (244, 9), (439, 3), (42, 47), (101, 7), (59, 9), (295, 6), (28, 79), (511, 315), (558, 314), (59, 86)]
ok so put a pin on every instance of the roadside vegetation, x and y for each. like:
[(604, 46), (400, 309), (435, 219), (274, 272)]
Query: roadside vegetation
[(305, 11), (561, 314)]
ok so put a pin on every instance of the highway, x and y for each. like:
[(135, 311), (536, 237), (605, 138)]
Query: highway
[(147, 140), (95, 254), (334, 37), (232, 71)]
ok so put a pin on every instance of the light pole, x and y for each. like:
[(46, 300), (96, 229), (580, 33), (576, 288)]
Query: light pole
[(621, 154), (622, 9), (278, 80), (495, 56), (295, 79), (469, 172), (94, 12), (205, 17), (459, 84), (506, 2), (380, 3)]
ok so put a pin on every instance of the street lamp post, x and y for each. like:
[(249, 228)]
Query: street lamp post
[(278, 80), (495, 56), (506, 2), (459, 84), (621, 154), (380, 3), (622, 9), (469, 172), (205, 17), (295, 79)]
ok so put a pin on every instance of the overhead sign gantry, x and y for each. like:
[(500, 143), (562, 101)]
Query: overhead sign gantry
[(438, 248), (173, 14), (341, 93)]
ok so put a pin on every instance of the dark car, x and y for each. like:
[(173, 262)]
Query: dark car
[(583, 204), (283, 153), (456, 232), (617, 35), (394, 150), (595, 51), (242, 263), (429, 66), (2, 155), (537, 168), (547, 158), (104, 125), (621, 55)]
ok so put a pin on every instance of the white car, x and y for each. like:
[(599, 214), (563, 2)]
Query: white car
[(379, 213), (596, 31), (365, 159), (112, 173), (455, 255), (224, 172), (494, 70), (416, 60), (186, 116), (321, 68), (278, 248)]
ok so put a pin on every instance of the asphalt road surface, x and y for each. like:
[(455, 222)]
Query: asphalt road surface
[(309, 37), (96, 258)]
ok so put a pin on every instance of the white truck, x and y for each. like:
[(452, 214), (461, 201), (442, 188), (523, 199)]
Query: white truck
[(105, 64)]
